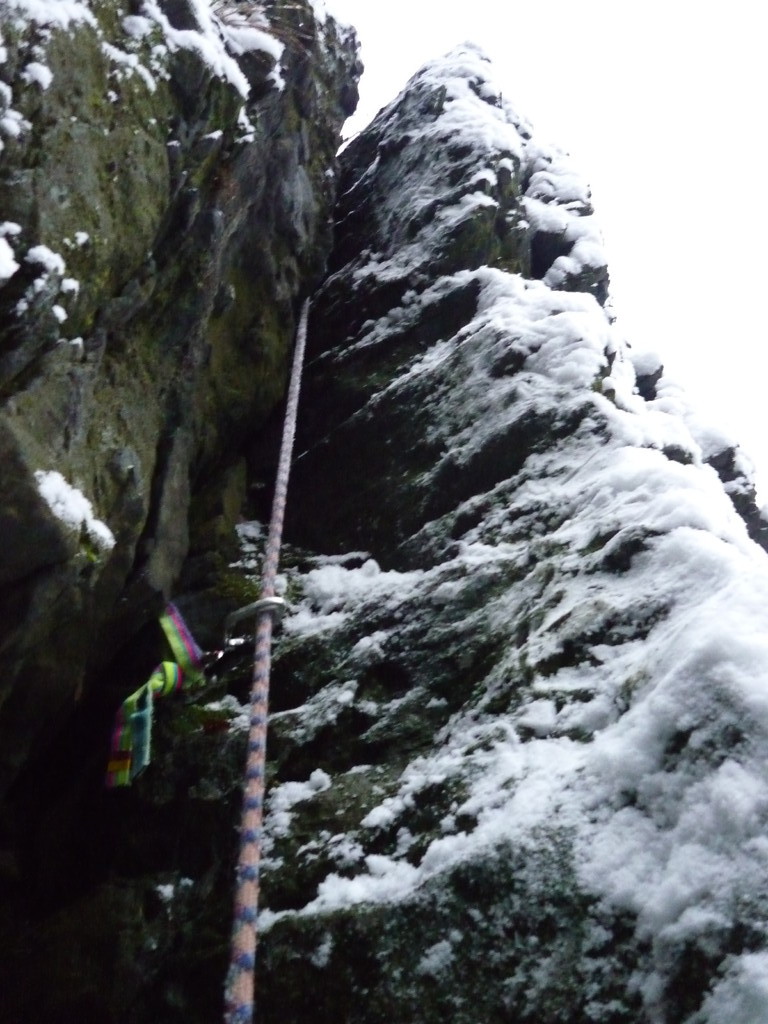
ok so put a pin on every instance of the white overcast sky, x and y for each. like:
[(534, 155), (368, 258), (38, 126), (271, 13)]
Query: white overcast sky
[(662, 107)]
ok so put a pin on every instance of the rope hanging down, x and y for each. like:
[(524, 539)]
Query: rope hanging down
[(240, 983)]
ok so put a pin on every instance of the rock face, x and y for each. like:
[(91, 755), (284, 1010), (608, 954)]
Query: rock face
[(519, 720), (167, 180), (166, 191), (520, 726)]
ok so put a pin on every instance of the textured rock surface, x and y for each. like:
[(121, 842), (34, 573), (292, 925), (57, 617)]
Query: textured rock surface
[(519, 768), (520, 727), (167, 179), (166, 191)]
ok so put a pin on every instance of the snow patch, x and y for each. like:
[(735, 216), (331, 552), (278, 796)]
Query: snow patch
[(283, 798), (46, 258), (128, 64), (331, 592), (742, 995), (54, 13), (216, 39), (8, 263), (37, 73), (71, 506)]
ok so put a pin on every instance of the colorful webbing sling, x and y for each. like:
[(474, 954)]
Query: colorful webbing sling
[(132, 733)]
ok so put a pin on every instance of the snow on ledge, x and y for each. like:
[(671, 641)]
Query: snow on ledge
[(8, 265), (72, 507), (214, 38), (58, 13)]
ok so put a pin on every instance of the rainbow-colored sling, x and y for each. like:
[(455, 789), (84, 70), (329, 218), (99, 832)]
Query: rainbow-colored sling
[(132, 733)]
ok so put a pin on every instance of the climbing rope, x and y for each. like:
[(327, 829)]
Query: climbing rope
[(240, 980)]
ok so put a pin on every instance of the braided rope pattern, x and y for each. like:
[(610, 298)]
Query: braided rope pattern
[(240, 979)]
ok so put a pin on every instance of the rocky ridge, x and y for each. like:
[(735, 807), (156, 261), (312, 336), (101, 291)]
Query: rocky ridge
[(519, 768)]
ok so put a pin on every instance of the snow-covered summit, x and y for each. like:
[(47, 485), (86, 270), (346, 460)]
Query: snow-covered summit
[(452, 179)]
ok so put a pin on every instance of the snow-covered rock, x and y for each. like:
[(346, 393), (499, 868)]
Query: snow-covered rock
[(549, 790), (519, 718)]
